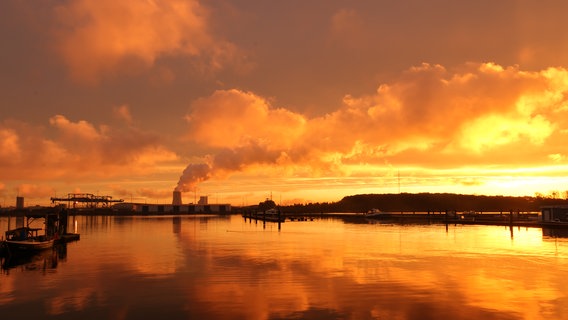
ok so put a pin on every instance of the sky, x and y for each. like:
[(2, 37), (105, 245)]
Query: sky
[(301, 101)]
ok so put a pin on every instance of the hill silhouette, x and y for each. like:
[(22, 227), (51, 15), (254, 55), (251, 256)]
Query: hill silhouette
[(434, 202)]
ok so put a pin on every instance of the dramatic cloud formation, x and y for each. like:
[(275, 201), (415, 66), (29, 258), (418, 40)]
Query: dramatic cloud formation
[(77, 150), (100, 38), (429, 115), (239, 118), (316, 99)]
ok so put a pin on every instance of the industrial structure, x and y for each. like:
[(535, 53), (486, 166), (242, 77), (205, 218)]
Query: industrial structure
[(177, 207), (176, 200), (144, 208), (87, 203), (86, 200), (19, 202)]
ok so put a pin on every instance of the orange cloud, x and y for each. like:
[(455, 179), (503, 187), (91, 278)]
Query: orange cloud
[(123, 113), (37, 191), (479, 114), (433, 111), (80, 131), (234, 118), (99, 38), (10, 151), (77, 149), (244, 128)]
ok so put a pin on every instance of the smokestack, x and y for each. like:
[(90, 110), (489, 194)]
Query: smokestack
[(19, 202), (176, 200)]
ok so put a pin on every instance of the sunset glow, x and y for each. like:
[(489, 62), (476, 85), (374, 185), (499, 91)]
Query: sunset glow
[(240, 100)]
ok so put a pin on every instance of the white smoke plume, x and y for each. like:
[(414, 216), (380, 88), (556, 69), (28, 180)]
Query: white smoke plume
[(192, 175)]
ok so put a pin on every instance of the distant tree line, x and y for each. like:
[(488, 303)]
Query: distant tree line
[(434, 202), (555, 194)]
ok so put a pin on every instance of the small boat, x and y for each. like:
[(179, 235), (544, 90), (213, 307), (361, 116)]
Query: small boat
[(373, 213), (266, 211), (272, 215), (26, 239)]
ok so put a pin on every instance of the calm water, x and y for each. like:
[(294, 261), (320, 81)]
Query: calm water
[(192, 267)]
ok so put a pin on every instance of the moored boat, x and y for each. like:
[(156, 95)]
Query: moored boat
[(272, 215), (26, 239), (375, 213), (266, 211)]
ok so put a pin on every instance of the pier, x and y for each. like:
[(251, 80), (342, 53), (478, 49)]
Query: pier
[(530, 219), (450, 217)]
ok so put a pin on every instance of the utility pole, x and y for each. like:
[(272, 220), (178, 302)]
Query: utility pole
[(399, 181)]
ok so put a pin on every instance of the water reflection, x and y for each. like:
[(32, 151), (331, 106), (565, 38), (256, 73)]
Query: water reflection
[(35, 261), (407, 274), (211, 267), (555, 232), (176, 224)]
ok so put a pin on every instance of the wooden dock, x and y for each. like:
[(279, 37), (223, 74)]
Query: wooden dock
[(527, 219), (263, 216)]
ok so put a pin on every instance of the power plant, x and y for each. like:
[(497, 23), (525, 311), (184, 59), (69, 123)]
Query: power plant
[(87, 203), (176, 200), (178, 207)]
